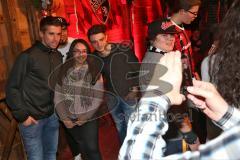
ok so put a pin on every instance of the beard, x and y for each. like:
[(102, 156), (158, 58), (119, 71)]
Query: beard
[(63, 42)]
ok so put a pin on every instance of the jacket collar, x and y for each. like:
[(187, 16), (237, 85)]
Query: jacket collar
[(156, 50), (44, 48)]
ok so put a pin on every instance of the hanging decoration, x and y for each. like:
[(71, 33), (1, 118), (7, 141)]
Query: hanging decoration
[(101, 9), (46, 4), (75, 12), (46, 7)]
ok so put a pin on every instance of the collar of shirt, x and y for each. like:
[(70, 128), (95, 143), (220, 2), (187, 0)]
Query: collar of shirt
[(156, 50), (44, 48)]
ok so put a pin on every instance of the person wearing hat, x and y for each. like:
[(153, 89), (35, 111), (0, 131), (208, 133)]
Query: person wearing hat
[(161, 35), (65, 41)]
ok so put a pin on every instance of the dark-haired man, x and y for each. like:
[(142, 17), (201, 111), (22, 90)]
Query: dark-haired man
[(117, 67), (29, 95), (65, 41)]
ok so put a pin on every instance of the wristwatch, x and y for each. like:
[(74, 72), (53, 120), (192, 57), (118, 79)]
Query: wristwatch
[(190, 137)]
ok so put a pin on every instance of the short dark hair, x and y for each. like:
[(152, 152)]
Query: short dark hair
[(49, 21), (95, 29), (184, 4)]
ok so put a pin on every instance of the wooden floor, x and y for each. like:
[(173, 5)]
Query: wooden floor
[(108, 139)]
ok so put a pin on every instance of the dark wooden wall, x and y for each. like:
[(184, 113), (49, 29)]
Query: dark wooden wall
[(18, 30)]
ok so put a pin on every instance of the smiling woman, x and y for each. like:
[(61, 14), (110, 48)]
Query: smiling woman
[(78, 97)]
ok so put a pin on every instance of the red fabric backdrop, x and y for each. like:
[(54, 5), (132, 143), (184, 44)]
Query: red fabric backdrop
[(143, 12), (126, 23)]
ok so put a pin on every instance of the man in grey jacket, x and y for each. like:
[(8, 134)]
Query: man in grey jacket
[(29, 95)]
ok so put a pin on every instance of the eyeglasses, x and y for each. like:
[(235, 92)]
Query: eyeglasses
[(193, 13), (80, 51)]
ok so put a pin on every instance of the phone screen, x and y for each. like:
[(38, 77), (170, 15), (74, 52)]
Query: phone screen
[(187, 74)]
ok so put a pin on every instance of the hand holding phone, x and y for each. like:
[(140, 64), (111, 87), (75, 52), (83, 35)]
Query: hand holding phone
[(187, 74)]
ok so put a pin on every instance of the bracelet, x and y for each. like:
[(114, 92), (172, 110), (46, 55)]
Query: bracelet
[(190, 137), (226, 116)]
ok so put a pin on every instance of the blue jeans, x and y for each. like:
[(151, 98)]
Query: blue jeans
[(41, 140), (121, 111)]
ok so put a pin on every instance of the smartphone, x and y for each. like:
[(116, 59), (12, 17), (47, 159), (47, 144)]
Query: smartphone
[(187, 74)]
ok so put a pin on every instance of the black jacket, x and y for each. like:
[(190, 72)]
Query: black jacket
[(120, 69), (28, 92)]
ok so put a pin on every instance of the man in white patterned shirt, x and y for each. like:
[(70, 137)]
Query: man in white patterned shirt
[(148, 124)]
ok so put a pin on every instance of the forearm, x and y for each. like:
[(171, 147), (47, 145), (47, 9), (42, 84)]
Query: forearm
[(145, 130), (14, 89), (14, 97), (17, 105)]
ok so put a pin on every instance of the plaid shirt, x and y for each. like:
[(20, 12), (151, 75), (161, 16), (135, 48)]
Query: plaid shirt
[(147, 125)]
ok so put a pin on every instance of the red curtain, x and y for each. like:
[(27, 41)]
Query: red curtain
[(118, 23), (143, 12), (127, 22)]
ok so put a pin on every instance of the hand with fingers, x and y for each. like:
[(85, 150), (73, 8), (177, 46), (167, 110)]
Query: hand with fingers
[(80, 122), (172, 61), (69, 123), (29, 121), (205, 96)]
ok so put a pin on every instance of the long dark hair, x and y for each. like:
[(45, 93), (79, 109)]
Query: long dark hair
[(225, 72), (94, 65)]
